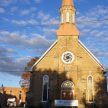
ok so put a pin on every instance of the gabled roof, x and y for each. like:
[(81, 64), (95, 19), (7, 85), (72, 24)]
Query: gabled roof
[(44, 54), (83, 46), (91, 54)]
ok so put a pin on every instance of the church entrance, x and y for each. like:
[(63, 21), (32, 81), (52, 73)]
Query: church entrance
[(67, 95), (67, 90)]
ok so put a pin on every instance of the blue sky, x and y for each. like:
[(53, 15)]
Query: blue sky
[(28, 28)]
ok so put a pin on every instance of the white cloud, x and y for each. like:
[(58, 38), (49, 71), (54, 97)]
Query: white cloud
[(13, 62), (38, 1), (49, 31), (2, 10), (27, 11), (9, 63), (43, 16), (47, 19), (5, 2), (19, 22), (94, 20), (25, 22), (95, 33), (41, 19), (14, 9), (93, 27), (23, 41), (32, 22)]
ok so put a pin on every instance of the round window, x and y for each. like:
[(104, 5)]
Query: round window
[(67, 57)]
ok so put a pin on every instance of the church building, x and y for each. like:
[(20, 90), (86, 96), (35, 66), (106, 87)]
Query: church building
[(67, 74)]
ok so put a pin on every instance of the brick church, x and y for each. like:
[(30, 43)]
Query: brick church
[(67, 74)]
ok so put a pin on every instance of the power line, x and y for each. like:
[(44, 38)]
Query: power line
[(92, 21)]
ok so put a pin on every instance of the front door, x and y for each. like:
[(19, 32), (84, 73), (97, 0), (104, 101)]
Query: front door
[(67, 90), (67, 95)]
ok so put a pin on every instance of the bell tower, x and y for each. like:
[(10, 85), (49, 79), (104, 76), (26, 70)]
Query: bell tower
[(67, 12), (67, 16)]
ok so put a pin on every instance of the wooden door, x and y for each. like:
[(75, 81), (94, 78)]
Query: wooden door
[(67, 95)]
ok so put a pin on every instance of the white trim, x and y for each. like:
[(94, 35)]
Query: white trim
[(91, 54), (94, 58), (44, 54)]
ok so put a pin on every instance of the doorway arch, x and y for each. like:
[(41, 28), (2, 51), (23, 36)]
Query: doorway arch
[(67, 90)]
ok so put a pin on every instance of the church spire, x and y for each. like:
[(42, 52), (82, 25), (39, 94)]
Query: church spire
[(67, 3), (67, 16)]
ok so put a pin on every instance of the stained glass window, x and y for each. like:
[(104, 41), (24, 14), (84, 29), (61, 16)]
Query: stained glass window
[(67, 84), (45, 88)]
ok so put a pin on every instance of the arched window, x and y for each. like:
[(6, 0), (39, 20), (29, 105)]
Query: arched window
[(90, 89), (45, 88), (73, 18), (62, 18), (67, 16), (67, 90)]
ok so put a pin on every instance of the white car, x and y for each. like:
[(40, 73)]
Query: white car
[(11, 102)]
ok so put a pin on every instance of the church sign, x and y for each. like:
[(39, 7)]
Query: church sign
[(66, 103)]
